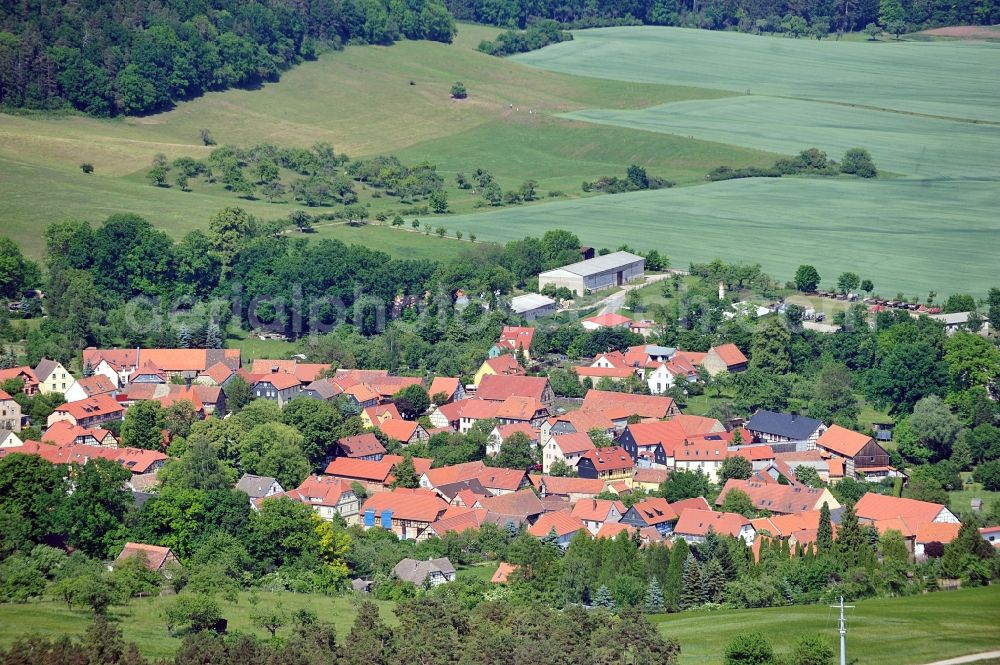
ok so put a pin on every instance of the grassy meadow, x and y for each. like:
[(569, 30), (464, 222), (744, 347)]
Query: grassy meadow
[(892, 631), (895, 631), (142, 622), (364, 100)]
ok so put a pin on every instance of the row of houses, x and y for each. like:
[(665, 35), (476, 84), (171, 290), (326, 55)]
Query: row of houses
[(662, 367)]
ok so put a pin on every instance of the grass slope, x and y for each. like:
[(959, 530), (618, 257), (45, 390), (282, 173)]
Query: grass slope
[(953, 79), (365, 101), (906, 235), (142, 620), (894, 631)]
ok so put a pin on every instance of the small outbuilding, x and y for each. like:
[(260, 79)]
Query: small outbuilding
[(531, 306), (431, 571)]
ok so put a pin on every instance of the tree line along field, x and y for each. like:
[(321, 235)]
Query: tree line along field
[(894, 631), (362, 102)]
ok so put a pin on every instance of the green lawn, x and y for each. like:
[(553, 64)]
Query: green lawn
[(960, 500), (251, 347), (483, 571), (142, 620), (897, 631)]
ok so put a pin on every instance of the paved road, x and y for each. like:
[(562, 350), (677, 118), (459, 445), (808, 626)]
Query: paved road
[(614, 302), (971, 658)]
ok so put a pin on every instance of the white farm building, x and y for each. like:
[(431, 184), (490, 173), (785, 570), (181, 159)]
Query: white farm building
[(602, 272)]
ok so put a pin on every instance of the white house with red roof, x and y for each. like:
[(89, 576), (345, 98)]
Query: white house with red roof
[(501, 433), (567, 448), (595, 513), (694, 525), (328, 497), (88, 412), (10, 413)]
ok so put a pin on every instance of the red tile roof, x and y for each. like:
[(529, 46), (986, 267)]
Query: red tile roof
[(498, 388), (612, 458), (522, 504), (596, 510), (320, 491), (155, 556), (446, 475), (280, 380), (698, 523), (503, 572), (516, 337), (843, 441), (611, 372), (505, 364), (650, 475), (775, 497), (880, 507), (571, 444), (609, 320), (561, 522), (170, 360), (96, 385), (697, 503), (98, 405), (444, 384), (218, 372), (646, 406), (566, 486), (459, 520), (502, 479), (398, 429), (381, 411), (414, 505), (524, 428), (729, 354), (361, 445), (702, 451)]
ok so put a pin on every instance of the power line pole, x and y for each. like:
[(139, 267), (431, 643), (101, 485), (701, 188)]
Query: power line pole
[(843, 629)]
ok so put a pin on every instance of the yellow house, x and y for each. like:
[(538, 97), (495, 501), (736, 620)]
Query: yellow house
[(53, 377), (649, 479), (374, 416), (506, 364)]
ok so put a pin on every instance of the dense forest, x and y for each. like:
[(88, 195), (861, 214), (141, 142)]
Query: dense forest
[(134, 57), (823, 16)]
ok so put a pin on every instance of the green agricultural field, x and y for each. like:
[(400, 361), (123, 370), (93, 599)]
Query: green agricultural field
[(902, 143), (365, 100), (141, 620), (895, 631), (951, 79), (906, 235)]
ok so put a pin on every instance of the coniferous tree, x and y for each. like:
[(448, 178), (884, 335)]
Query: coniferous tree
[(824, 534), (673, 585), (603, 598), (184, 337), (551, 539), (852, 546), (213, 337), (713, 581), (693, 593), (654, 597)]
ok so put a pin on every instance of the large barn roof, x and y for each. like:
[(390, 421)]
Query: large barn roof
[(599, 264)]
